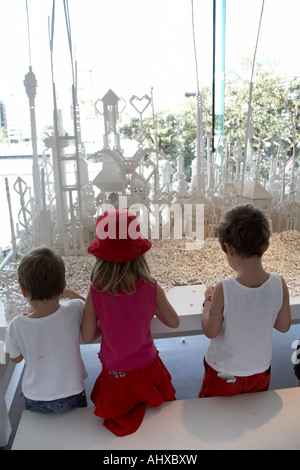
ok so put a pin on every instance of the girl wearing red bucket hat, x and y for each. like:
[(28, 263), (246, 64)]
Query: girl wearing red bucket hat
[(120, 305)]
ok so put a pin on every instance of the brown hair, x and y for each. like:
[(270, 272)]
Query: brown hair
[(112, 277), (246, 228), (42, 273)]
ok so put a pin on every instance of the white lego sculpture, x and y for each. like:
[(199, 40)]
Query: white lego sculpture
[(62, 213), (65, 218)]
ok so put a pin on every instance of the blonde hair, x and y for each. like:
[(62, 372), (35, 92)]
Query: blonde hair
[(115, 278)]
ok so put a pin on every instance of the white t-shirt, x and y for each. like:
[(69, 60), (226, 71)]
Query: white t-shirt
[(244, 345), (51, 349)]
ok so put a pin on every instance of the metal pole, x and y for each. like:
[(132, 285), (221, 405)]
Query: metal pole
[(214, 76)]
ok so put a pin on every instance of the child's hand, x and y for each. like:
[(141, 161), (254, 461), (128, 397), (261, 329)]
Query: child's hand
[(209, 291), (70, 294), (67, 294)]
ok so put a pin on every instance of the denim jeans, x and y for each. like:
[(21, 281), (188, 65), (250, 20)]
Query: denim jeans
[(57, 406)]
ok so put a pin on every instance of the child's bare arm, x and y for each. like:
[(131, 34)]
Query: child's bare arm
[(18, 359), (212, 317), (90, 329), (283, 320), (164, 311), (71, 294)]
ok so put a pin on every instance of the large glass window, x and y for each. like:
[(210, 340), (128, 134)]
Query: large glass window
[(161, 52), (277, 46)]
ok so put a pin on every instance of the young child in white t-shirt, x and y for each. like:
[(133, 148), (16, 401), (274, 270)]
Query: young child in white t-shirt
[(48, 337)]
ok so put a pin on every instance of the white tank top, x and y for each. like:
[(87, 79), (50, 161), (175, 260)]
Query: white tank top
[(244, 345)]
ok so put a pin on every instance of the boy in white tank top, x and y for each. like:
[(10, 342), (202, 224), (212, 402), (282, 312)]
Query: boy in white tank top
[(240, 313)]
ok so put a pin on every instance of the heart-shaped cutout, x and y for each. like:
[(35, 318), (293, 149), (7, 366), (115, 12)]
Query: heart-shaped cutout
[(140, 104)]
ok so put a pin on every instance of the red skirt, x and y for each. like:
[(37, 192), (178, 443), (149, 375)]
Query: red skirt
[(121, 397)]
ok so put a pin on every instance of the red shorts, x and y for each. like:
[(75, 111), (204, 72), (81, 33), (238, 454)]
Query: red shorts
[(214, 386), (121, 397)]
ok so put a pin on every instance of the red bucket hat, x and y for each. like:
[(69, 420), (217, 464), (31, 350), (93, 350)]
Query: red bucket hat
[(119, 237)]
